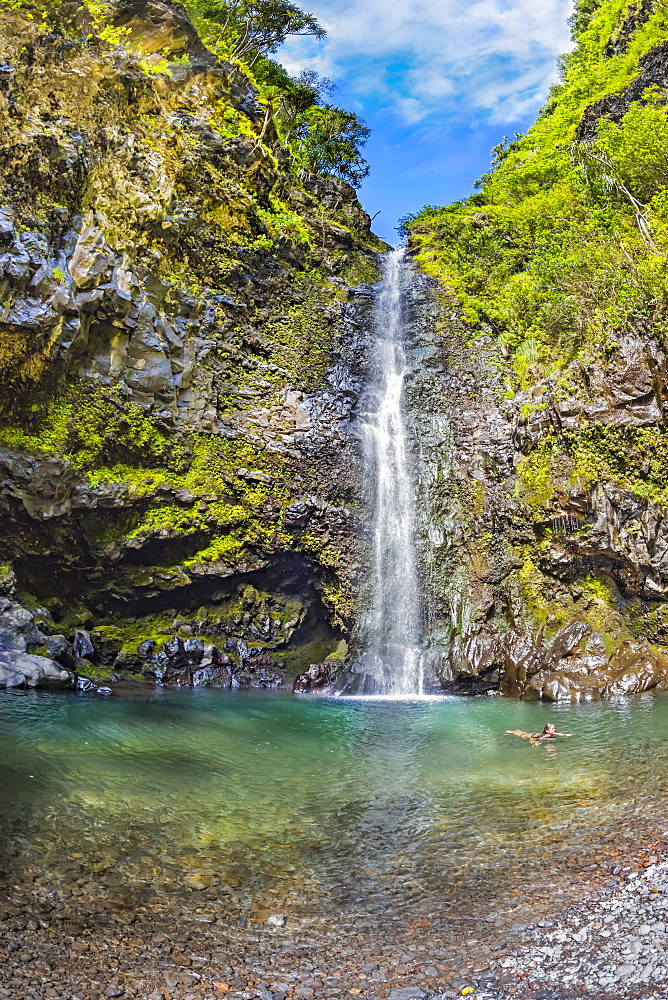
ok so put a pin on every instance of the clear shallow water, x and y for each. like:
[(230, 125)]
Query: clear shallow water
[(390, 812)]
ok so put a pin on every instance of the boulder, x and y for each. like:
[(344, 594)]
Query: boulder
[(146, 648), (82, 645), (17, 627), (36, 671), (58, 648), (189, 662), (29, 657), (85, 685), (318, 676), (580, 665), (521, 658), (10, 675), (637, 667), (212, 675)]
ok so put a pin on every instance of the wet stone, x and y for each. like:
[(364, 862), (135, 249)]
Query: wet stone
[(407, 993)]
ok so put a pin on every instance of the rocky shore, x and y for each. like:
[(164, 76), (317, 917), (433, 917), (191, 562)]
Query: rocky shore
[(604, 937), (615, 944), (35, 652)]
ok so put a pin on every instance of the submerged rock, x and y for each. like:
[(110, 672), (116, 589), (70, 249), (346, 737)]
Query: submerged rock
[(85, 685)]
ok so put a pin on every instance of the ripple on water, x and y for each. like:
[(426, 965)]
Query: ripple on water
[(403, 809)]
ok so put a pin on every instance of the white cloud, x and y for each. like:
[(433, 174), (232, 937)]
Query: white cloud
[(419, 58), (411, 110)]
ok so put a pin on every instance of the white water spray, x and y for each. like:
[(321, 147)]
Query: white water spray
[(391, 664)]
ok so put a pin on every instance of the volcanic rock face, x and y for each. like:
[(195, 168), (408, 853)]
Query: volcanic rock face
[(566, 604), (542, 510), (540, 399), (181, 347)]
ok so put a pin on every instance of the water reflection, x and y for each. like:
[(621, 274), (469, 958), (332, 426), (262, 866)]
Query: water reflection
[(236, 801)]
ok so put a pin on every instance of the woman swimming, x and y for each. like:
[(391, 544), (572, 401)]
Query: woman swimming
[(548, 733)]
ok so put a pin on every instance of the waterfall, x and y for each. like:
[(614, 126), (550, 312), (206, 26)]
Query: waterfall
[(391, 662)]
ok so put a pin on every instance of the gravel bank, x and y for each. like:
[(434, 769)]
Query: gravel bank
[(613, 943)]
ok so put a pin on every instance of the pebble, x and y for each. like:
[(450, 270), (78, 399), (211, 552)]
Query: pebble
[(601, 948), (407, 993), (615, 944)]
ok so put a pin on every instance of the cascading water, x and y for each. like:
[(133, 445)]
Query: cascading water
[(391, 663)]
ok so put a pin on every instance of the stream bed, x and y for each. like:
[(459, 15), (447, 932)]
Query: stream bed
[(268, 825)]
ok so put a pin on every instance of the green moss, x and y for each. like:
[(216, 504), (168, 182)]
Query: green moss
[(328, 555), (597, 588), (221, 548), (477, 491), (139, 481), (341, 603), (550, 606), (341, 651), (299, 340), (283, 222), (532, 590), (103, 528), (359, 269), (232, 510), (549, 253), (126, 635), (86, 426), (536, 486), (169, 518), (634, 458), (51, 435)]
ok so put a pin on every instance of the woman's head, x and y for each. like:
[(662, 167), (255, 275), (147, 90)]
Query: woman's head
[(549, 729)]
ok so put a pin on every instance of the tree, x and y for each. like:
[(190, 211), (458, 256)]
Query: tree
[(253, 28), (298, 93), (583, 11), (330, 139), (305, 92), (324, 138), (598, 166)]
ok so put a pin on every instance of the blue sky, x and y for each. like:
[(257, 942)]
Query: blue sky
[(438, 81)]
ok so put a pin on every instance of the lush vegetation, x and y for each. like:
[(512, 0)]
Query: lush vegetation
[(563, 249), (250, 29), (321, 136)]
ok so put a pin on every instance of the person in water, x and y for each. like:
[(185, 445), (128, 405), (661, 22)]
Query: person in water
[(548, 733)]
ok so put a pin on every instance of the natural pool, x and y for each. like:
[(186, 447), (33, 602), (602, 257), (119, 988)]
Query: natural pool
[(364, 814)]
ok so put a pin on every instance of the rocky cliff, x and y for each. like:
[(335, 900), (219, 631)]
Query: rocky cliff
[(541, 389), (180, 351)]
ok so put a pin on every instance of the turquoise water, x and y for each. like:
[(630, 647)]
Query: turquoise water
[(268, 803)]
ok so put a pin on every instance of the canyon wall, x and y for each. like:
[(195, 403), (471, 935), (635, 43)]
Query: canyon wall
[(181, 345), (541, 395)]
